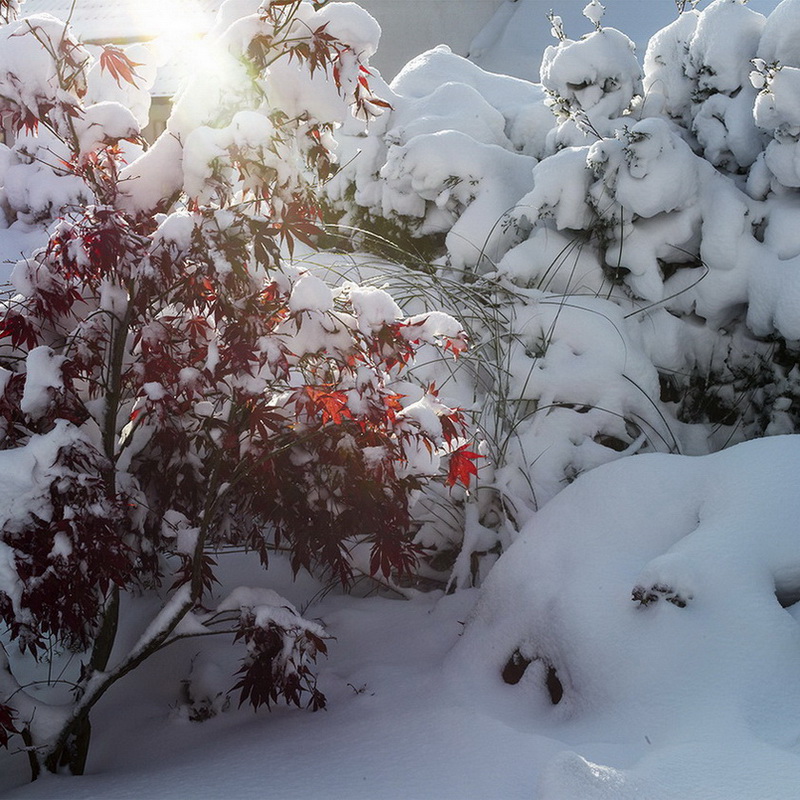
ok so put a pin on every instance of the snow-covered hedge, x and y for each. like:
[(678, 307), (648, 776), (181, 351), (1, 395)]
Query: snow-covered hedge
[(629, 221)]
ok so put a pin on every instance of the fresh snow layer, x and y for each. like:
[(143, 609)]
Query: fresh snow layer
[(698, 685), (660, 702)]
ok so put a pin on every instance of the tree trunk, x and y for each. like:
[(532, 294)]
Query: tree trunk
[(74, 748)]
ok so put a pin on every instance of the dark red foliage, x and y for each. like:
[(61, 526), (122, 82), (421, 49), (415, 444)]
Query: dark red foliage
[(177, 377), (68, 561), (18, 329), (7, 716), (271, 671)]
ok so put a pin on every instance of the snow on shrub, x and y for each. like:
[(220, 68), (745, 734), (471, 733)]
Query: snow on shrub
[(646, 244), (590, 82), (171, 386), (651, 604), (451, 157)]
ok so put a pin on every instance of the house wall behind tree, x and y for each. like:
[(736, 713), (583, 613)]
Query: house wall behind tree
[(160, 108), (412, 26)]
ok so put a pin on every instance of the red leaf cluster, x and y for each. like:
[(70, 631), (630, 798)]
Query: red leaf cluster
[(118, 65), (272, 670)]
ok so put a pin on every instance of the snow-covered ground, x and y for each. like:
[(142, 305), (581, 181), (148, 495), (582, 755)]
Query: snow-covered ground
[(391, 729), (659, 701)]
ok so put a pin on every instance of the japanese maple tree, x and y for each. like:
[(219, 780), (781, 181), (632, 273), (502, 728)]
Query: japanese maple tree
[(179, 386)]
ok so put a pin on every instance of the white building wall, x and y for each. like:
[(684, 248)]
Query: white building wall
[(409, 26), (412, 26)]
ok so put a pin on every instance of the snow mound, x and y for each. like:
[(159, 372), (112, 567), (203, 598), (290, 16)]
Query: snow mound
[(653, 602)]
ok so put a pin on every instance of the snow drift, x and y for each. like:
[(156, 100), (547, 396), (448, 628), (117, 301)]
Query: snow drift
[(652, 603)]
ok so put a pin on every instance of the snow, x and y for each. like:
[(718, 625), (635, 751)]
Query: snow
[(309, 293), (373, 307), (638, 635), (716, 533), (726, 38), (659, 701), (26, 474), (43, 372)]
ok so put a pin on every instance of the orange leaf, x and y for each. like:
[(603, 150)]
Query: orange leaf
[(375, 101), (457, 345), (331, 405)]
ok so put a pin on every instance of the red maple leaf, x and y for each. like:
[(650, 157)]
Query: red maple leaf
[(118, 65), (462, 466), (265, 420)]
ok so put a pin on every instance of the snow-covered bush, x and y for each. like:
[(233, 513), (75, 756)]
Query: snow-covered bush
[(452, 156), (591, 82), (171, 386), (629, 227), (652, 603)]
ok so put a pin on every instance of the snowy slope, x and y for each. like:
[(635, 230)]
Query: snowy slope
[(639, 607)]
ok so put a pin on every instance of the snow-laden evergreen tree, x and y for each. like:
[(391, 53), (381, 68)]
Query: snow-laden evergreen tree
[(628, 225)]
